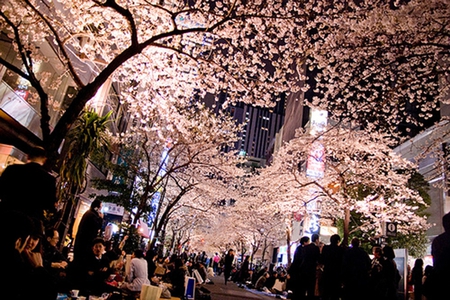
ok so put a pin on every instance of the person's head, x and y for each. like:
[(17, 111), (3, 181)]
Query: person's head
[(428, 270), (37, 154), (335, 239), (304, 240), (52, 236), (98, 246), (388, 252), (231, 252), (355, 242), (138, 253), (377, 252), (418, 263), (315, 238), (96, 205), (178, 263), (33, 243), (446, 222)]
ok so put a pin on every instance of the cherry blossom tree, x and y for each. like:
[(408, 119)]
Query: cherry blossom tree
[(187, 47), (168, 164), (362, 175), (381, 62)]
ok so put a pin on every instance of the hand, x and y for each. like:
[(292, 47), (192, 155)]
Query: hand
[(34, 258), (59, 265)]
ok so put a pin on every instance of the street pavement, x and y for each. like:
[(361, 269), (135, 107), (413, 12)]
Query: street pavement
[(231, 291)]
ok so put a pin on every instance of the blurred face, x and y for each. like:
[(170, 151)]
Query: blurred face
[(55, 239), (98, 249), (32, 243), (376, 252)]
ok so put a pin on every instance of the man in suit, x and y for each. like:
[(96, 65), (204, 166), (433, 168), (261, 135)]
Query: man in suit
[(29, 188)]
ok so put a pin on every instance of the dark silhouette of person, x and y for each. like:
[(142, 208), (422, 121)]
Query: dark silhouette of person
[(177, 278), (417, 277), (311, 256), (24, 274), (440, 250), (355, 271), (331, 258), (228, 265), (29, 188), (54, 261), (295, 282), (391, 272), (95, 271), (88, 229), (244, 271), (377, 275)]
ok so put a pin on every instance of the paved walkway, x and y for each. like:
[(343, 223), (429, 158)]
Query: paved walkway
[(220, 291)]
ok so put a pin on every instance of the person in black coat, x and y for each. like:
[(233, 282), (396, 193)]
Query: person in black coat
[(355, 271), (295, 283), (29, 188), (244, 271), (88, 229), (311, 256), (440, 249), (417, 277), (331, 258), (95, 271), (177, 278), (228, 266)]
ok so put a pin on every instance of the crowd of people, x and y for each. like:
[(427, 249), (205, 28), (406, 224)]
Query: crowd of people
[(33, 258), (335, 272), (326, 272)]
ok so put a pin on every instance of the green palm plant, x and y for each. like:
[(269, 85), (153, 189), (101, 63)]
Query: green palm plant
[(87, 136)]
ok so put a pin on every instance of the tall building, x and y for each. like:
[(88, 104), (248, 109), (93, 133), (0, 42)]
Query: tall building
[(260, 127)]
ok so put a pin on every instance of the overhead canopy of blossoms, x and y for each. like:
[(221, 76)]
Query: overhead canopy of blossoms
[(362, 174), (179, 49), (381, 62)]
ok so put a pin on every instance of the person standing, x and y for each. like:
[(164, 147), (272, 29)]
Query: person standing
[(417, 277), (244, 272), (440, 249), (355, 269), (29, 188), (311, 256), (377, 275), (331, 258), (228, 266), (216, 260), (88, 229), (391, 272), (295, 283)]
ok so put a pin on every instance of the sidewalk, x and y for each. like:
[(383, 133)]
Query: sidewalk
[(220, 291)]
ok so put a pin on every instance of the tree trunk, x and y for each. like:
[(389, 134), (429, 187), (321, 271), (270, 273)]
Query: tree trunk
[(288, 242), (346, 227)]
